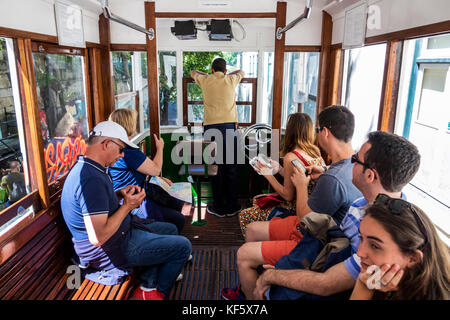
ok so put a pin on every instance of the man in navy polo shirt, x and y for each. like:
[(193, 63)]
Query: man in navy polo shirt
[(107, 240)]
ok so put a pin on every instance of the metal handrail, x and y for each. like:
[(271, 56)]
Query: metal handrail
[(304, 16), (109, 15)]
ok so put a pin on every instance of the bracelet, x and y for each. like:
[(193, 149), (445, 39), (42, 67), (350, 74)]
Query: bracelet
[(325, 169)]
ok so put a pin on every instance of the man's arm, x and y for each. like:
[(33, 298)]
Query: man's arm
[(100, 227), (196, 72), (334, 280), (240, 72), (301, 181)]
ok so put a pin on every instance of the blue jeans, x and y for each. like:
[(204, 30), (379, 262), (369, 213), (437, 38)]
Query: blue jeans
[(226, 183), (149, 209), (162, 254), (167, 214)]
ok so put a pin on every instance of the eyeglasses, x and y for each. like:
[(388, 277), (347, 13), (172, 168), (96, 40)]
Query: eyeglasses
[(318, 129), (355, 159), (121, 148), (396, 206)]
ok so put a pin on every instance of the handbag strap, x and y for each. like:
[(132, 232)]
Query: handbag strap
[(301, 158)]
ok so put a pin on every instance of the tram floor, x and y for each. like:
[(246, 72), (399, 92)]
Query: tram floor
[(213, 265)]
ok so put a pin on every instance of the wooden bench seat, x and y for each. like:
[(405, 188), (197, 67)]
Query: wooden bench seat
[(34, 265), (90, 290)]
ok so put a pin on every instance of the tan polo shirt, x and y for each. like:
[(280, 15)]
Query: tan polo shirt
[(219, 97)]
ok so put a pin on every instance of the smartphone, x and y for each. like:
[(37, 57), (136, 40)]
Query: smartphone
[(261, 158), (299, 165), (265, 160)]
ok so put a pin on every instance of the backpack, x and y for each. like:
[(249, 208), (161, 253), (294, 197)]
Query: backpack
[(323, 245), (18, 189), (3, 195)]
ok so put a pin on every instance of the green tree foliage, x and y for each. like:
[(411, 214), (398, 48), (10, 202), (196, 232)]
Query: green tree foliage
[(121, 61), (201, 61)]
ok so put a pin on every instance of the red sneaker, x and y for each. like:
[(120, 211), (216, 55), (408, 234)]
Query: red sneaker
[(233, 293), (153, 294)]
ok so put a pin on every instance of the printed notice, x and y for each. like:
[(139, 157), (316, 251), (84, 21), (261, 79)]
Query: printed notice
[(69, 24), (214, 3), (355, 26)]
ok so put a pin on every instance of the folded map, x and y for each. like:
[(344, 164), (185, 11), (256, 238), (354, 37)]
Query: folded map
[(179, 190)]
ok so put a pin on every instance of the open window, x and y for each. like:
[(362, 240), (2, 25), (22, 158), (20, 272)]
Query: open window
[(246, 91), (131, 84), (301, 71), (15, 178), (168, 110), (423, 115), (362, 84)]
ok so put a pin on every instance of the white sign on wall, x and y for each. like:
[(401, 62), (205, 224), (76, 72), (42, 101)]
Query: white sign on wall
[(355, 26), (69, 25), (214, 3)]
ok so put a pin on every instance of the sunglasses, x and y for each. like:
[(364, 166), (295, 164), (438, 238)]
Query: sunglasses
[(396, 206), (318, 129), (121, 148), (355, 159)]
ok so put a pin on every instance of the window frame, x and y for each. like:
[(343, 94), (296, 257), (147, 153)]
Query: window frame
[(55, 187), (253, 103)]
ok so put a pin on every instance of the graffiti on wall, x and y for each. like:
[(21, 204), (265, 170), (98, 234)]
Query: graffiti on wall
[(61, 154)]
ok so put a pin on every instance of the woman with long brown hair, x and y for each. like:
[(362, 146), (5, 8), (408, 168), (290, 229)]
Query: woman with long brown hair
[(298, 144), (402, 244)]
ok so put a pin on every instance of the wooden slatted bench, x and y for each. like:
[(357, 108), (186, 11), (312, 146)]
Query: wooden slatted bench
[(33, 265), (90, 290)]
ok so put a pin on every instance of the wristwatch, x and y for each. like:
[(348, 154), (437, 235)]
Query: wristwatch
[(325, 169)]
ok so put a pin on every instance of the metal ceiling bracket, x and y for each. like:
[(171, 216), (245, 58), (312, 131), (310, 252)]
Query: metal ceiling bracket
[(109, 15), (304, 16)]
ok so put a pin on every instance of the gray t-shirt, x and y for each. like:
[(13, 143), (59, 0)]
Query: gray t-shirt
[(334, 191)]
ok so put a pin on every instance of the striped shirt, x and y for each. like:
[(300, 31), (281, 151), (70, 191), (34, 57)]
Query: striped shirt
[(350, 226)]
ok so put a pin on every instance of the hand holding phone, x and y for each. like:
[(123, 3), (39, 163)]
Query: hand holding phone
[(262, 159), (299, 165)]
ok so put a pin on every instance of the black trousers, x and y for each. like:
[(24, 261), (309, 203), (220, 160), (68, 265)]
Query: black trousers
[(225, 184)]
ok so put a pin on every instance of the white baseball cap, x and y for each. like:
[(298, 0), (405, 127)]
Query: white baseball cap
[(112, 129)]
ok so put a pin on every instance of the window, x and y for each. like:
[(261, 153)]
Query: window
[(265, 104), (15, 182), (301, 70), (245, 92), (168, 88), (131, 84), (245, 101), (361, 92), (423, 114), (61, 91)]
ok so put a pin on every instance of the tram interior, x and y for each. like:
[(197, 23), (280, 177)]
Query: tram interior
[(393, 73)]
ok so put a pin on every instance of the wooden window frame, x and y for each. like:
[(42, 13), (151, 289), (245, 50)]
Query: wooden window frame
[(45, 196), (393, 61), (39, 198), (55, 187), (253, 103)]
